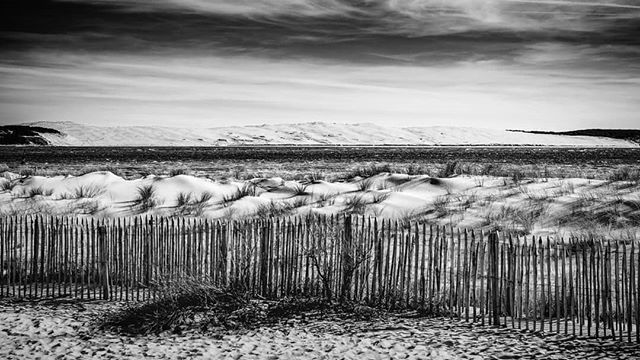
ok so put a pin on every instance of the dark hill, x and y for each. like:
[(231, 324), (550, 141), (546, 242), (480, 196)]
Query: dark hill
[(623, 134), (24, 135)]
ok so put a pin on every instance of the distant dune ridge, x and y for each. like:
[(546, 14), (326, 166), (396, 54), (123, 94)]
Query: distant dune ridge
[(313, 133)]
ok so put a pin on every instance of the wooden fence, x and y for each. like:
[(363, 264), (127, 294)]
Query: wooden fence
[(582, 287)]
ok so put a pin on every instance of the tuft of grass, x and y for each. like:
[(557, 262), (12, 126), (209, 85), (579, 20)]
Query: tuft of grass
[(6, 185), (87, 191), (88, 207), (229, 213), (379, 197), (177, 171), (441, 205), (299, 190), (316, 177), (204, 198), (368, 171), (517, 176), (324, 199), (273, 209), (449, 169), (625, 173), (27, 172), (356, 204), (37, 191), (413, 169), (146, 198), (248, 189), (365, 184), (183, 199), (300, 202)]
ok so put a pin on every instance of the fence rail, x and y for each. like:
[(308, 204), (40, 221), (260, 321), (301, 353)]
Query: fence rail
[(583, 287)]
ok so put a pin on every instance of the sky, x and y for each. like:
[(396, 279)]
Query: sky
[(508, 64)]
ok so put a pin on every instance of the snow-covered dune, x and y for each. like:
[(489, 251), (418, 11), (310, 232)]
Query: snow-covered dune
[(314, 133)]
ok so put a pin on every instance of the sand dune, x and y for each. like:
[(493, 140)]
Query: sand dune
[(541, 206), (315, 133)]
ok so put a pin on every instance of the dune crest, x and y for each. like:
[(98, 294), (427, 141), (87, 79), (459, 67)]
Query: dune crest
[(314, 133)]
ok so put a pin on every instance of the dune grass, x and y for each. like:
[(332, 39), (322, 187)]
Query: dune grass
[(199, 305), (87, 191), (146, 198)]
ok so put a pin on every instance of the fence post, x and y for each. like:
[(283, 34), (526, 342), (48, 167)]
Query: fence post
[(148, 242), (264, 261), (102, 245), (493, 278), (347, 260)]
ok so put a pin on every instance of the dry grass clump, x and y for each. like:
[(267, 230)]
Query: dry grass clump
[(441, 205), (183, 199), (379, 197), (365, 185), (146, 198), (37, 191), (324, 199), (6, 185), (189, 204), (625, 173), (198, 304), (87, 207), (274, 209), (27, 172), (178, 171), (368, 171), (612, 213), (184, 303), (315, 177), (87, 191), (248, 189), (449, 169), (355, 204), (299, 190), (516, 219)]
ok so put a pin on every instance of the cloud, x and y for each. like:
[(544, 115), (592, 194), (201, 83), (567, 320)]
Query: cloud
[(116, 89), (365, 31), (411, 17), (540, 64)]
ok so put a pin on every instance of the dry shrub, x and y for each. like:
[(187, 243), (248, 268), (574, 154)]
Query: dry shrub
[(187, 302)]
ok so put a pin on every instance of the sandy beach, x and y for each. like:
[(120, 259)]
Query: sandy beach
[(66, 330)]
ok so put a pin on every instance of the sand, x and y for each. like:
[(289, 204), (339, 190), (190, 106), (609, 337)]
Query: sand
[(542, 206), (65, 330), (312, 133)]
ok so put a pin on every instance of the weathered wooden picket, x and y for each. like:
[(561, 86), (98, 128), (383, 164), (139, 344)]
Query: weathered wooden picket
[(584, 287)]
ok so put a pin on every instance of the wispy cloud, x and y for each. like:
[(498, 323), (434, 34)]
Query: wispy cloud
[(492, 63), (121, 90)]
